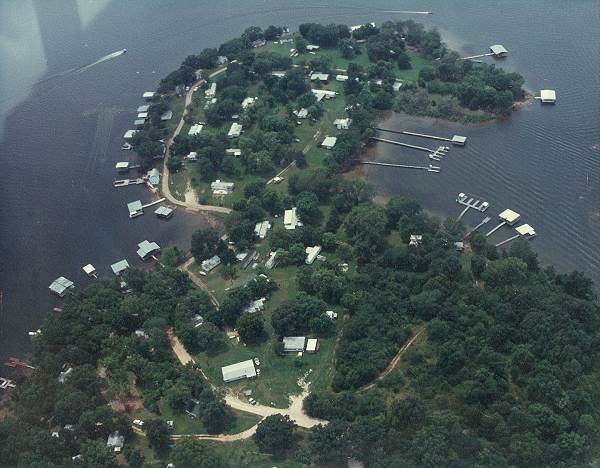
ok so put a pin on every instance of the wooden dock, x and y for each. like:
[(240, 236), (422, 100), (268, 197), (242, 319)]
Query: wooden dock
[(126, 182), (160, 200), (471, 201), (486, 220), (406, 145), (429, 168), (477, 56)]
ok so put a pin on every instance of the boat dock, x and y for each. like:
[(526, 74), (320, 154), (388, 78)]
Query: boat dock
[(126, 182), (406, 145), (160, 200), (508, 217), (486, 220), (477, 56), (470, 201), (456, 140), (429, 168)]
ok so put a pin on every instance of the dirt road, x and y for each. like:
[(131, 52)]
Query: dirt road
[(197, 280)]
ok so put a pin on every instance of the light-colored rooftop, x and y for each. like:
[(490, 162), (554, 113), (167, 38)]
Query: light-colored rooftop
[(163, 211), (195, 129), (89, 269), (129, 134), (143, 108), (526, 230), (240, 370), (498, 49), (548, 95), (235, 130), (147, 248), (119, 267), (329, 142), (509, 216), (61, 285), (312, 345), (293, 343)]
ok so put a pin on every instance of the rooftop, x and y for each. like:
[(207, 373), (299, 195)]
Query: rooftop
[(509, 216), (163, 211), (329, 142), (293, 343), (548, 95), (240, 370), (311, 345), (61, 285), (147, 248), (119, 267), (526, 230), (498, 49)]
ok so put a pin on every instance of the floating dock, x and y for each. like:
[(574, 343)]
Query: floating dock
[(126, 182), (470, 201)]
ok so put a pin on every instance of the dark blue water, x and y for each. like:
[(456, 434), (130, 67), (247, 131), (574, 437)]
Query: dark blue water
[(60, 132)]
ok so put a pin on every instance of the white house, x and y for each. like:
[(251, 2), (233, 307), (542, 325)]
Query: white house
[(342, 124), (312, 345), (195, 129), (235, 130), (311, 254), (210, 264), (321, 94), (293, 344), (290, 219), (247, 102), (211, 92), (341, 77), (322, 77), (329, 142)]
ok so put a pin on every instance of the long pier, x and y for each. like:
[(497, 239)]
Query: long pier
[(421, 135), (160, 200), (486, 220), (126, 182), (429, 168), (495, 229), (506, 241), (476, 56), (406, 145)]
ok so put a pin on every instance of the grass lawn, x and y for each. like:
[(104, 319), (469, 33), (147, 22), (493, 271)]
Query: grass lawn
[(183, 424), (176, 105), (178, 183)]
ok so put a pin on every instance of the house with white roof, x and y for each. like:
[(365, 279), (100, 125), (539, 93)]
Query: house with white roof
[(329, 142), (235, 130), (240, 370)]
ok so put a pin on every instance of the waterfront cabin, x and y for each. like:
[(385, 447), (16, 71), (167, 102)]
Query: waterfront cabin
[(311, 254), (163, 212), (240, 370), (135, 208), (548, 96), (143, 108), (290, 219), (458, 140), (195, 129), (148, 95), (526, 231), (341, 78), (119, 267), (147, 249), (342, 124), (235, 131), (510, 217), (329, 142), (90, 270), (498, 50), (293, 344), (210, 264), (61, 285), (312, 345), (321, 77), (211, 92), (129, 134), (168, 115), (221, 188)]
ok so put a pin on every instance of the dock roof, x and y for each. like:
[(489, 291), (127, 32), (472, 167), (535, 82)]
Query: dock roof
[(129, 134), (498, 49), (147, 248), (526, 230), (143, 108), (240, 370), (61, 285), (509, 216), (135, 206), (548, 95), (163, 211), (119, 267)]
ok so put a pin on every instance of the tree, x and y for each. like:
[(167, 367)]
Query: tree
[(157, 433), (275, 434), (174, 164), (307, 206), (134, 457), (366, 227), (250, 328), (96, 454), (192, 453), (204, 243), (217, 417)]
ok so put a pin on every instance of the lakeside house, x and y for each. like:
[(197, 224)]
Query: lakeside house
[(147, 249), (258, 43), (255, 306), (192, 156), (290, 219), (302, 113), (329, 142), (239, 370), (195, 129), (210, 264), (211, 92), (163, 212), (61, 285), (115, 441), (311, 254), (321, 94), (221, 188), (341, 78), (342, 124), (293, 344), (235, 131), (119, 267)]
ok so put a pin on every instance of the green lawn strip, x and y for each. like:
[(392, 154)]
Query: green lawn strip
[(178, 184)]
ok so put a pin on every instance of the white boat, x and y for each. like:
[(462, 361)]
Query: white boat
[(126, 146)]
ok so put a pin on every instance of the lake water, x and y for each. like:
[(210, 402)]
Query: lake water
[(60, 131)]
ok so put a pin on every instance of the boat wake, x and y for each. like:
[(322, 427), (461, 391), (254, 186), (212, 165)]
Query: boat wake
[(106, 58)]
